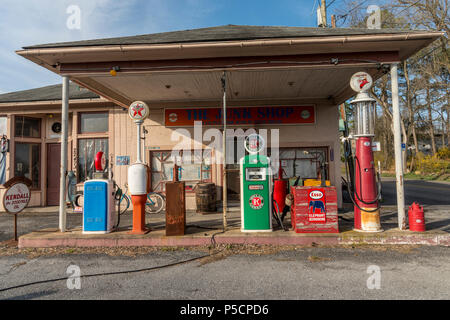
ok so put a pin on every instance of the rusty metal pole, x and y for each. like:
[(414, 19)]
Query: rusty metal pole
[(15, 227), (224, 151)]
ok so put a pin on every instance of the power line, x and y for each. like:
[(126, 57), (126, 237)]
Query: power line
[(350, 11)]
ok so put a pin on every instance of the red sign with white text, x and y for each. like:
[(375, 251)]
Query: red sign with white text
[(185, 117), (317, 210)]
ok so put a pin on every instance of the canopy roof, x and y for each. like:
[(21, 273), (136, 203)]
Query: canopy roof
[(263, 63)]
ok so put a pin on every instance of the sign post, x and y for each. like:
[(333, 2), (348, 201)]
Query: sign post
[(16, 197)]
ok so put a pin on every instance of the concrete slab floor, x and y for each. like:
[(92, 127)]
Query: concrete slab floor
[(207, 229)]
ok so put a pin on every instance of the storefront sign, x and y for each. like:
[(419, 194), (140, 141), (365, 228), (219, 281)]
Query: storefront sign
[(16, 198), (185, 117), (317, 210)]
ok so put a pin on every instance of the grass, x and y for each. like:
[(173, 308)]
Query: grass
[(413, 176)]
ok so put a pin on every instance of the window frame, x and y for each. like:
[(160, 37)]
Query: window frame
[(80, 114)]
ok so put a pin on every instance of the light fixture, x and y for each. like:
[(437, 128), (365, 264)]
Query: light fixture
[(114, 70)]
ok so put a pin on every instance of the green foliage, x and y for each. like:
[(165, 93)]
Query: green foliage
[(433, 164), (444, 153)]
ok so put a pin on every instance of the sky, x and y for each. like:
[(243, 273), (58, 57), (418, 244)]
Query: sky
[(30, 22)]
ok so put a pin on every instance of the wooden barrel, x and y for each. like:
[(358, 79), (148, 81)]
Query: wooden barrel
[(205, 197)]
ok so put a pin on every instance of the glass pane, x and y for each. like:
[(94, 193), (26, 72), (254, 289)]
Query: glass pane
[(27, 162), (287, 154), (93, 122), (306, 169), (190, 172), (88, 148), (22, 168), (27, 127), (3, 125)]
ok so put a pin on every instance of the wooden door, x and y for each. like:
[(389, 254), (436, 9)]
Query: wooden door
[(53, 173)]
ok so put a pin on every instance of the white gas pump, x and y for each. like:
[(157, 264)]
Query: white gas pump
[(138, 173)]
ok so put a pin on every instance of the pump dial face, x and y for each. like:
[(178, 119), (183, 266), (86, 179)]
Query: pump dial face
[(361, 82)]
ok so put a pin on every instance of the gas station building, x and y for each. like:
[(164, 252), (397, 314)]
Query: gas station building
[(288, 78)]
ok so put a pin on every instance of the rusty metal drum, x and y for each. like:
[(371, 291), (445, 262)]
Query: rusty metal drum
[(205, 198)]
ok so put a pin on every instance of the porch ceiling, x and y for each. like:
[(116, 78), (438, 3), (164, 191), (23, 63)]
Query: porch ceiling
[(307, 84)]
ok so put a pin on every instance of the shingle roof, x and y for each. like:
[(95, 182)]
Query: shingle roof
[(47, 93), (224, 33)]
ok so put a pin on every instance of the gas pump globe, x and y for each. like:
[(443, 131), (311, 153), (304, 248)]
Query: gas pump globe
[(364, 107), (367, 210)]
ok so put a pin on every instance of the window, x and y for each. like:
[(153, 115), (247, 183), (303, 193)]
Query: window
[(27, 127), (3, 126), (192, 172), (87, 149), (93, 122), (27, 162), (303, 162)]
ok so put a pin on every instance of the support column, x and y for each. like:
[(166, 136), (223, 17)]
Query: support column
[(398, 149), (64, 128), (224, 151)]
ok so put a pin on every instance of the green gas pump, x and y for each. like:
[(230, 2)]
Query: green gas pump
[(256, 192)]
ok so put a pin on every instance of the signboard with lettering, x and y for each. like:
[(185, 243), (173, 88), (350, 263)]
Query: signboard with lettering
[(266, 115), (317, 210), (16, 198)]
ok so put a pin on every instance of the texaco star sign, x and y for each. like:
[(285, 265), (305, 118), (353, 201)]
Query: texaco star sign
[(138, 110)]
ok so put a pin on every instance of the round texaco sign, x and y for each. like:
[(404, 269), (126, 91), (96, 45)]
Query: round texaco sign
[(138, 110)]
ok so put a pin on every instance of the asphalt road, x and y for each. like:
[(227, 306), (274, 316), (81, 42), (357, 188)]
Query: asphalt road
[(303, 273), (423, 192)]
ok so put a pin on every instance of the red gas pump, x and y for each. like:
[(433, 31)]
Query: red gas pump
[(364, 187), (280, 191)]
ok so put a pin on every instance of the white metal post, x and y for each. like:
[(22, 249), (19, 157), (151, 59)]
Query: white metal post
[(139, 140), (224, 152), (398, 149), (64, 127)]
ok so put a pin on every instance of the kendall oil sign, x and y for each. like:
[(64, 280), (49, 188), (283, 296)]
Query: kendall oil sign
[(240, 115)]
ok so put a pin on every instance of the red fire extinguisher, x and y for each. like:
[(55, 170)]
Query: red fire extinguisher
[(416, 218)]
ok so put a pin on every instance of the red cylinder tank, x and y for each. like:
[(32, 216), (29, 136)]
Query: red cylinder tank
[(416, 218)]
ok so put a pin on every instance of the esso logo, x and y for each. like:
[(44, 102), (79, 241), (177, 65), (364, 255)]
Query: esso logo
[(316, 194), (173, 117)]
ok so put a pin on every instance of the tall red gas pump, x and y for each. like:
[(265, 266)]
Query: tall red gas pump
[(365, 189)]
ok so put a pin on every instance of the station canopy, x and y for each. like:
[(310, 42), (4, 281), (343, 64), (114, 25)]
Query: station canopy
[(262, 63)]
